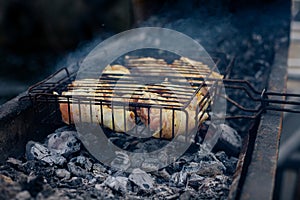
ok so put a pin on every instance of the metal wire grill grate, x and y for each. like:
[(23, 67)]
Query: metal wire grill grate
[(127, 96), (123, 93)]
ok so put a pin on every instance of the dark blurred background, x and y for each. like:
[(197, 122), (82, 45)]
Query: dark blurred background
[(36, 35)]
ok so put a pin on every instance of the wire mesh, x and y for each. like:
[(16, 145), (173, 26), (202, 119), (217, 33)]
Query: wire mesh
[(60, 90), (50, 93)]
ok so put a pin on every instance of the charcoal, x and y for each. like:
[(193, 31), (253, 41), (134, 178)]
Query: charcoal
[(71, 193), (91, 179), (162, 191), (121, 162), (24, 195), (164, 174), (99, 187), (204, 168), (80, 166), (49, 194), (150, 145), (152, 162), (118, 183), (62, 173), (171, 197), (189, 194), (204, 155), (213, 188), (120, 173), (83, 162), (189, 171), (134, 197), (230, 141), (163, 158), (63, 143), (98, 168), (229, 162), (195, 180), (37, 167), (186, 158), (211, 168), (162, 195), (109, 195), (6, 179), (179, 179), (16, 164), (138, 160), (9, 188), (141, 179), (119, 141), (192, 167), (85, 181), (104, 192), (149, 165), (101, 177), (37, 151), (74, 182), (176, 166), (76, 170), (34, 185), (32, 176), (14, 161)]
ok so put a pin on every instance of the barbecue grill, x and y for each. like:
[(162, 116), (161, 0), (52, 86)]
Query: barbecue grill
[(42, 93), (46, 111), (251, 110), (47, 93), (46, 104)]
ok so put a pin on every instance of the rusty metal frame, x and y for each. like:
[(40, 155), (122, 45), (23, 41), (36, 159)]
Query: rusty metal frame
[(259, 182)]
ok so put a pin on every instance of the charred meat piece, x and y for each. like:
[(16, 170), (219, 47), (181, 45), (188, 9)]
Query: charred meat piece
[(81, 103), (166, 120)]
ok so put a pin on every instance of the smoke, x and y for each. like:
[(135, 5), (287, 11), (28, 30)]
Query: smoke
[(73, 59)]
